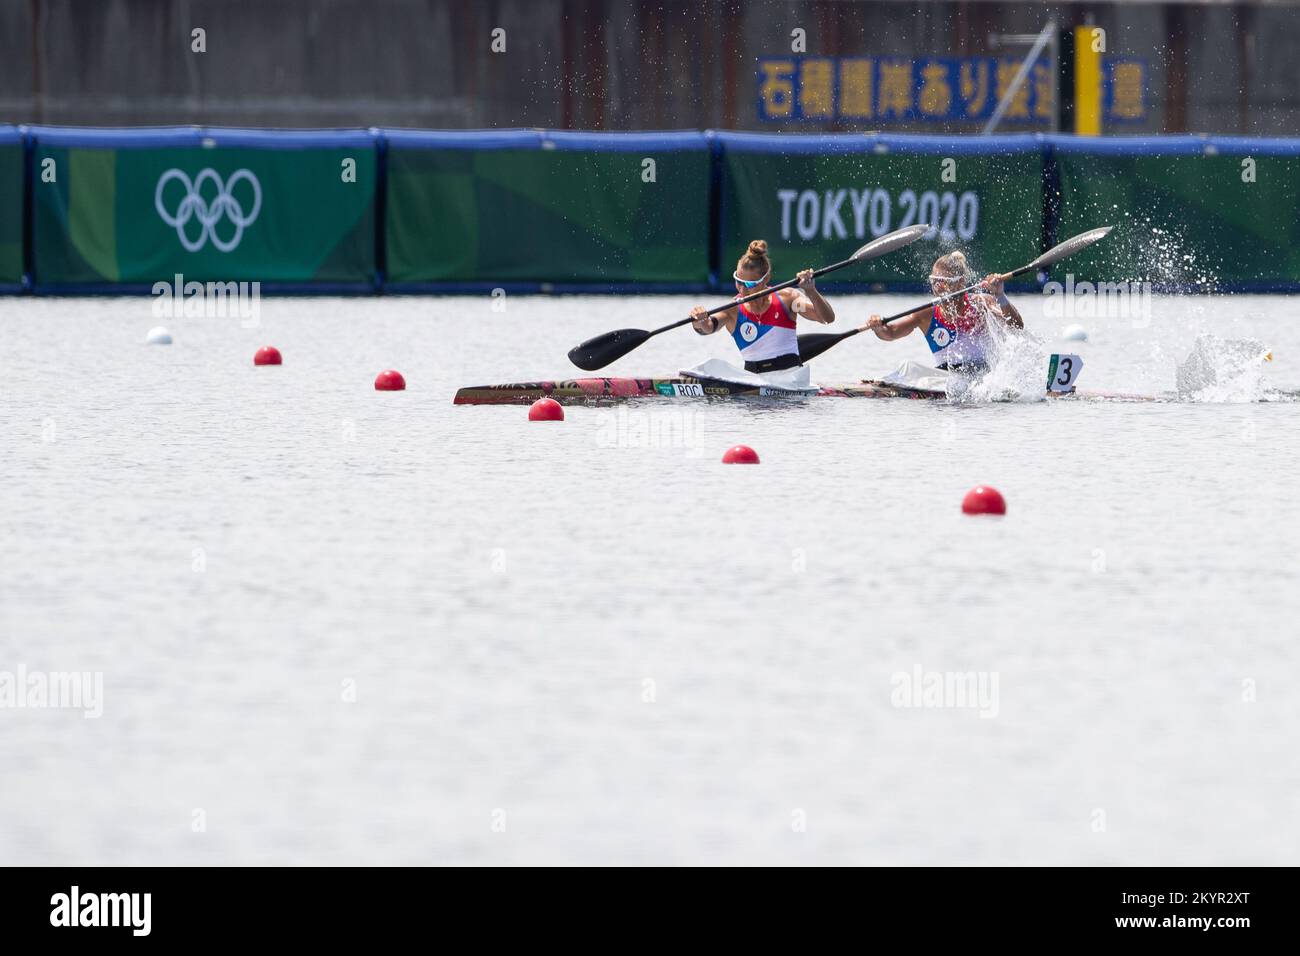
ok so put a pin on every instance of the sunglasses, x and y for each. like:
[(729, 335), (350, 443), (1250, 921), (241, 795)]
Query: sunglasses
[(750, 283)]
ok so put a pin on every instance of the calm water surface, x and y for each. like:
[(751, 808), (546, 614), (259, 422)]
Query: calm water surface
[(341, 626)]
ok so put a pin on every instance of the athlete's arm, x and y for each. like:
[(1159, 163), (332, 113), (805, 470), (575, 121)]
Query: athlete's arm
[(809, 302), (706, 324), (898, 328), (1009, 313)]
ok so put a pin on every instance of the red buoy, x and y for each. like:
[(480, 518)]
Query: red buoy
[(390, 381), (740, 455), (267, 355), (984, 501), (546, 410)]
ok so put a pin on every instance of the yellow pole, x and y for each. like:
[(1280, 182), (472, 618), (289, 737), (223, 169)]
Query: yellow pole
[(1087, 83)]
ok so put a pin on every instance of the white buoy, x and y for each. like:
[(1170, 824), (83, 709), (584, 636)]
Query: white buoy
[(158, 336), (1074, 333)]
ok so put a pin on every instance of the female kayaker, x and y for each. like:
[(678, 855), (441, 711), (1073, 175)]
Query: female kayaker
[(958, 331), (764, 329)]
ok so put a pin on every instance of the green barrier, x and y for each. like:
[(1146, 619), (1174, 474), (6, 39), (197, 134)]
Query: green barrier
[(123, 209), (142, 206), (816, 199), (1189, 214), (11, 211), (546, 209)]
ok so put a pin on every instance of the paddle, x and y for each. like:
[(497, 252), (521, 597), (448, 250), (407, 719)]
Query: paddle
[(600, 351), (814, 344)]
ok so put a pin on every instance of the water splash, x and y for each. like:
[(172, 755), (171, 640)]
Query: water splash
[(1223, 371), (1017, 373), (1158, 253)]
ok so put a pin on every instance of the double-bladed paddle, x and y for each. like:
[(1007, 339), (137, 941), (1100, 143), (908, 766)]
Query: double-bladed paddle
[(597, 352), (815, 343)]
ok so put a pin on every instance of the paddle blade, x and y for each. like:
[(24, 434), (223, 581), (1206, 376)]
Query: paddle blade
[(597, 352), (1068, 248), (815, 343), (890, 243)]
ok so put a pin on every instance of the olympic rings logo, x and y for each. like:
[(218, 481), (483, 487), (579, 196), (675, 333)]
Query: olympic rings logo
[(208, 213)]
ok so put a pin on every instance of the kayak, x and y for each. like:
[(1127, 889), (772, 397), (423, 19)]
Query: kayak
[(715, 379), (601, 391)]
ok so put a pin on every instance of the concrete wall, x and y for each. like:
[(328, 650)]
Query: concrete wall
[(591, 64)]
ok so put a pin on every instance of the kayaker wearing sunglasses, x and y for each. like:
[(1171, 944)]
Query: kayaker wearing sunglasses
[(764, 330), (957, 330)]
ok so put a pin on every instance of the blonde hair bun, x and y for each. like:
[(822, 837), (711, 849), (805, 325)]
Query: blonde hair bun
[(952, 264), (755, 257)]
